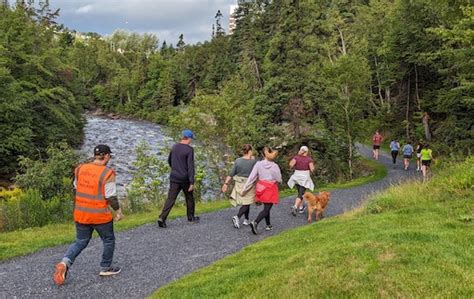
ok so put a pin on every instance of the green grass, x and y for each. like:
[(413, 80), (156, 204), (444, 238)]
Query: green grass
[(413, 240), (29, 240), (377, 172)]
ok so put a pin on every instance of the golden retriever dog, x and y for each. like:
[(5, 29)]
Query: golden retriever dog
[(316, 202)]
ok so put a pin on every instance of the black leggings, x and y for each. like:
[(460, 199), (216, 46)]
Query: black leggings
[(265, 213), (394, 156), (301, 191), (244, 210)]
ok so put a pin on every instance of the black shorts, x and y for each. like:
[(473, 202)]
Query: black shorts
[(426, 162), (376, 147), (407, 156), (301, 191)]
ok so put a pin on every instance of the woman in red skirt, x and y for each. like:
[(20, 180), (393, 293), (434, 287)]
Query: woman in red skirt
[(267, 174)]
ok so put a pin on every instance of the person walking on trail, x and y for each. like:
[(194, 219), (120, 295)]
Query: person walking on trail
[(301, 178), (394, 149), (376, 141), (419, 147), (181, 161), (407, 154), (95, 191), (267, 174), (426, 158), (239, 173)]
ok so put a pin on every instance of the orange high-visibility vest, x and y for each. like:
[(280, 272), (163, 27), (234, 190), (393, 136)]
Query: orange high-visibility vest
[(90, 205)]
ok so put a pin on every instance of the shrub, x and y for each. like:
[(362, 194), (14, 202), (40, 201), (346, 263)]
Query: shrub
[(45, 195), (147, 186), (28, 209), (51, 177)]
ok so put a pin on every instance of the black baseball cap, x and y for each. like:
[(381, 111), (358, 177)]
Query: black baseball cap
[(102, 149)]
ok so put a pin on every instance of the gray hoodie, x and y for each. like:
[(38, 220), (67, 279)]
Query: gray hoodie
[(263, 170)]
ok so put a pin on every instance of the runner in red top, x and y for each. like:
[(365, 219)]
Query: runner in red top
[(376, 141)]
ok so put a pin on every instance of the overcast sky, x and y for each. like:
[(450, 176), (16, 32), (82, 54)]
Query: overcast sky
[(167, 19)]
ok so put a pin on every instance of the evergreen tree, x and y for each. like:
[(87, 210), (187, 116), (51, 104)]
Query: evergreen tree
[(181, 44), (219, 30)]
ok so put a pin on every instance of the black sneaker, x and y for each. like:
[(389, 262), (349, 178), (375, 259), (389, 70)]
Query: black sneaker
[(293, 211), (195, 219), (302, 209), (253, 226), (161, 223), (269, 228), (110, 271)]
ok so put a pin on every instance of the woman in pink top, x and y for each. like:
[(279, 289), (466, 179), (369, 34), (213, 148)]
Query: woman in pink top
[(304, 166), (376, 141), (267, 174)]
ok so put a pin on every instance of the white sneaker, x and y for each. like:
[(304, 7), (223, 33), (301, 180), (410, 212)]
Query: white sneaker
[(246, 222), (236, 222), (110, 271)]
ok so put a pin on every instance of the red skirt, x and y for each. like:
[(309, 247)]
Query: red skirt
[(266, 192)]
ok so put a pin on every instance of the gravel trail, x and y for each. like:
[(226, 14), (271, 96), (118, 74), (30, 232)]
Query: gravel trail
[(151, 257)]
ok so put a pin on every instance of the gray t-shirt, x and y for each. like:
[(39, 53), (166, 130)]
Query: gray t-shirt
[(242, 167)]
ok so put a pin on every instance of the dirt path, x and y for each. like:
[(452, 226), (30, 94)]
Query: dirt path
[(151, 257)]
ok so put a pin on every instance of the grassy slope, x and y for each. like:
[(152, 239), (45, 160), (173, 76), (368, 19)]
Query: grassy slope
[(412, 240), (26, 241)]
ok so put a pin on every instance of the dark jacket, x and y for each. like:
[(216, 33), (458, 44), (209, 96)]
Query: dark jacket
[(181, 161)]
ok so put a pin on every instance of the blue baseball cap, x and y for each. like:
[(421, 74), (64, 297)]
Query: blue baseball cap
[(187, 134)]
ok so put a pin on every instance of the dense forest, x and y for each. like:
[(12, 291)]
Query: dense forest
[(326, 73)]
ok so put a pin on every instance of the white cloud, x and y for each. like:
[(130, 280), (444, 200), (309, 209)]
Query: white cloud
[(167, 18), (84, 9)]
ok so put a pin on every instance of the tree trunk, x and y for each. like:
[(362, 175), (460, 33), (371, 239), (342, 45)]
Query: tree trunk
[(407, 114), (348, 131), (417, 90), (296, 129), (191, 88), (257, 73), (426, 126), (343, 43), (388, 98), (351, 150), (378, 81)]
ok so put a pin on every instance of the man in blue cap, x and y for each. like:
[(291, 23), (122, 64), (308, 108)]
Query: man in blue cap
[(181, 161)]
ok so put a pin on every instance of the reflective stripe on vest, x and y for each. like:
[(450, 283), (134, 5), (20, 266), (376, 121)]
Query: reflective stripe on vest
[(93, 211), (90, 205)]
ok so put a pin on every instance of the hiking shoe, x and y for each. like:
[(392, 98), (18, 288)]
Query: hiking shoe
[(269, 228), (246, 222), (293, 210), (253, 226), (161, 223), (110, 271), (302, 209), (235, 221), (60, 273), (194, 219)]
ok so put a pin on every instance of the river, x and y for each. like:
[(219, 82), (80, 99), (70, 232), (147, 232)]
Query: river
[(123, 136)]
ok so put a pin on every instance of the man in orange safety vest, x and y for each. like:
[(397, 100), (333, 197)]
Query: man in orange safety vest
[(95, 192)]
